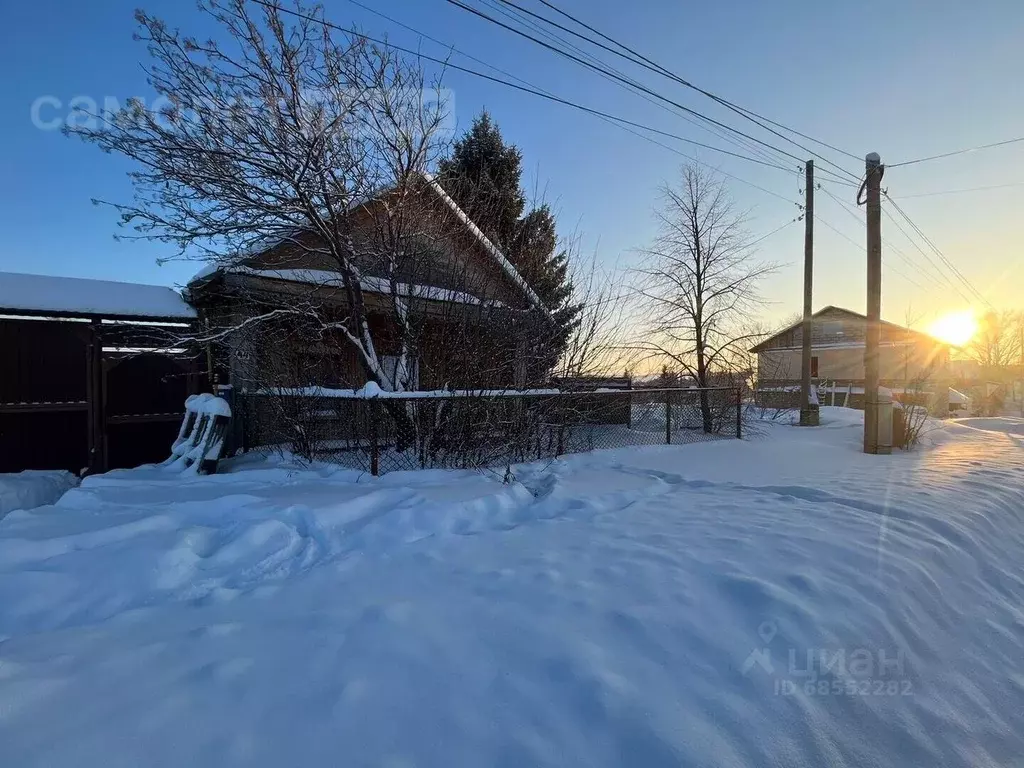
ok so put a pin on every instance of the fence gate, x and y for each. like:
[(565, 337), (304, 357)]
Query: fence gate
[(44, 406), (144, 396), (89, 394)]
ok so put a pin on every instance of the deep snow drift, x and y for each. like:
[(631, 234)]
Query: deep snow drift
[(33, 488), (784, 600)]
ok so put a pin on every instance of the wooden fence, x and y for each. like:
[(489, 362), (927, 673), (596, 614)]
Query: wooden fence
[(89, 393)]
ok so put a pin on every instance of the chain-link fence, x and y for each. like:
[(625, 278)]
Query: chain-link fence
[(418, 430)]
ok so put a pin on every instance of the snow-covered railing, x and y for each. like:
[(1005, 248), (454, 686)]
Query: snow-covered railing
[(200, 439)]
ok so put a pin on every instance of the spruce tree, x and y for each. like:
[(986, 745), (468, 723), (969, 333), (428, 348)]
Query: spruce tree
[(484, 176)]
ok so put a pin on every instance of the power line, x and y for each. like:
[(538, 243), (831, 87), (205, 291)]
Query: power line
[(754, 242), (519, 11), (634, 86), (860, 246), (938, 251), (906, 259), (655, 67), (888, 265), (958, 152), (598, 68), (544, 93), (927, 257), (625, 122), (622, 122)]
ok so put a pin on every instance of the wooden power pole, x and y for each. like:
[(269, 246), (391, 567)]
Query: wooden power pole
[(873, 200), (808, 412)]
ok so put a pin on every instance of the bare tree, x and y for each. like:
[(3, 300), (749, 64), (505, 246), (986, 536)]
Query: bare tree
[(699, 281), (594, 344), (997, 344), (279, 133)]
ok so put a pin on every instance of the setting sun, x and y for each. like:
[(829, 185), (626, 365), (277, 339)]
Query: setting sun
[(956, 328)]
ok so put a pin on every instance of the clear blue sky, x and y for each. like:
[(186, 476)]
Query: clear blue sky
[(906, 79)]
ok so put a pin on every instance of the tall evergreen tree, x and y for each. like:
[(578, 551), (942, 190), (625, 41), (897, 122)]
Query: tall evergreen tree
[(484, 176)]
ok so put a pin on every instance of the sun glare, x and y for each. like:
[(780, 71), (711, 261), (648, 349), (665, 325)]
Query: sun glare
[(956, 328)]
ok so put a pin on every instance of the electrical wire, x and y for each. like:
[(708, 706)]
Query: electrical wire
[(605, 116), (754, 242), (938, 251), (648, 64), (853, 212), (957, 152), (642, 60), (927, 257), (860, 246), (634, 86), (519, 13), (598, 68), (535, 92)]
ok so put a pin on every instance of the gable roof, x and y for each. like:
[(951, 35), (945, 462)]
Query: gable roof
[(831, 310), (485, 243), (490, 248)]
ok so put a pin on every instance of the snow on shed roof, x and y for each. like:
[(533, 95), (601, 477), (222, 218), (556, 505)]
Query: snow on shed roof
[(46, 294)]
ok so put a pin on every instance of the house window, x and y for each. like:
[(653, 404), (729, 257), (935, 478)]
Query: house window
[(814, 367), (390, 365)]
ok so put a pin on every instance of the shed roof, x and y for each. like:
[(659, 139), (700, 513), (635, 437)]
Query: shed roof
[(48, 295)]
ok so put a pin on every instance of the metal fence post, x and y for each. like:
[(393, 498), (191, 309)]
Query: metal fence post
[(245, 408), (374, 447), (668, 417), (739, 413)]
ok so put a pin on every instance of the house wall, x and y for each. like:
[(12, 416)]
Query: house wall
[(896, 363), (454, 352)]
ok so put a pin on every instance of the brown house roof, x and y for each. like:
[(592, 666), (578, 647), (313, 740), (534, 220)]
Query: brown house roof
[(485, 245), (834, 310), (490, 248)]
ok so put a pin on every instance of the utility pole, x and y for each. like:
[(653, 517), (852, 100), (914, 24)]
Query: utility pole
[(808, 412), (873, 186)]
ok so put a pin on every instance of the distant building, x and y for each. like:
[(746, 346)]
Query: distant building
[(837, 352)]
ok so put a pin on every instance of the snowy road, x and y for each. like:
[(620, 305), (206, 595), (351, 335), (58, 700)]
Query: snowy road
[(781, 601)]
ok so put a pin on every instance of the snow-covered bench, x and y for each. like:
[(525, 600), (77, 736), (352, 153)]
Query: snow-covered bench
[(200, 438)]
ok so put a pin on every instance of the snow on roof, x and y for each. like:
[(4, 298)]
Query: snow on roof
[(20, 292), (370, 284), (958, 398), (210, 268), (490, 247), (492, 250)]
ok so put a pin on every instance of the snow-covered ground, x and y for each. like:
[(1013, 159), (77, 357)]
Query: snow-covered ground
[(33, 488), (784, 600)]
